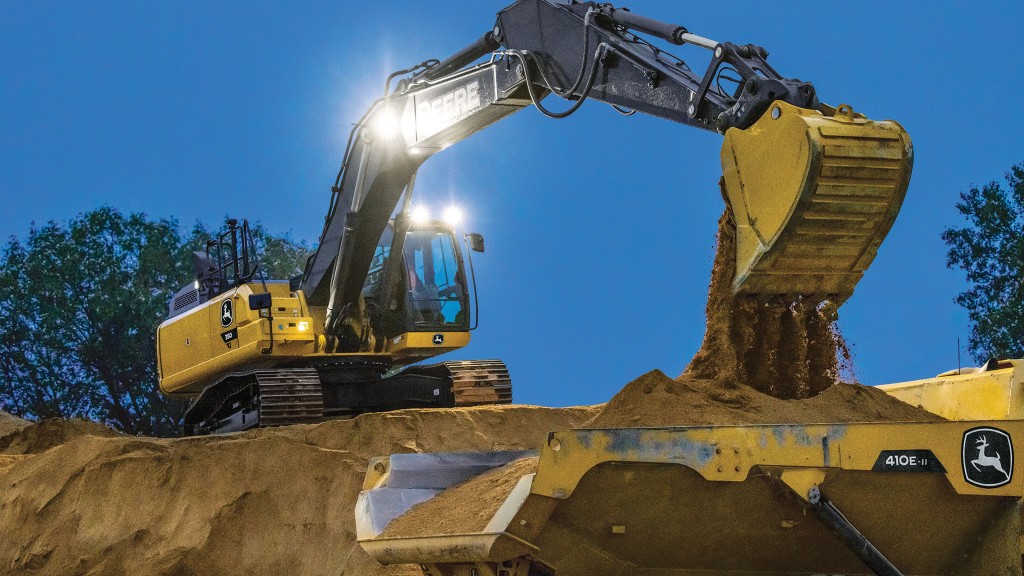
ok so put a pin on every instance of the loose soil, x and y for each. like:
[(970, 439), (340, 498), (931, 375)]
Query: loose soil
[(448, 512), (655, 399), (79, 499), (34, 438), (787, 347), (10, 423)]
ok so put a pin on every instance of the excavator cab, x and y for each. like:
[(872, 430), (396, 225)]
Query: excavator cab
[(437, 295), (426, 289)]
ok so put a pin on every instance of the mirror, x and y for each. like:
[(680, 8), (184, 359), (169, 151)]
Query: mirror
[(259, 301), (476, 241)]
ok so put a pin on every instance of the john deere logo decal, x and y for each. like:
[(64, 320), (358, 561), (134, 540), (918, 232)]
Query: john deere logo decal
[(987, 457), (438, 339), (227, 313)]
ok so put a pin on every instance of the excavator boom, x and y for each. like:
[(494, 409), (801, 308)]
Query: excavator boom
[(813, 189)]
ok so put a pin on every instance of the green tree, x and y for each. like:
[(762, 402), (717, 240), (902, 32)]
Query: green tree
[(79, 307), (990, 249)]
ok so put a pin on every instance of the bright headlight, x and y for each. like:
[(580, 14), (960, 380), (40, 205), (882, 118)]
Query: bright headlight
[(386, 124), (453, 215), (420, 214)]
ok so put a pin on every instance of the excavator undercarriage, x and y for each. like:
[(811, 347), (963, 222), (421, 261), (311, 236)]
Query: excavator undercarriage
[(282, 396)]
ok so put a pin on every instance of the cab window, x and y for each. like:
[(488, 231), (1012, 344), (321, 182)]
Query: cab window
[(436, 297)]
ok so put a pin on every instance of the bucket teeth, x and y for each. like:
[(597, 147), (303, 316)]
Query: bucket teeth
[(813, 195)]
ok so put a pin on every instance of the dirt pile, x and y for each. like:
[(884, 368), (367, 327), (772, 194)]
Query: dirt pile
[(654, 399), (78, 499), (448, 513), (9, 423), (33, 438), (785, 347), (762, 361)]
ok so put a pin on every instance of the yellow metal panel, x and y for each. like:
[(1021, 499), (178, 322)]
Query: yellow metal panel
[(424, 344), (990, 395), (728, 453), (733, 500), (199, 375), (182, 342), (249, 351), (242, 344)]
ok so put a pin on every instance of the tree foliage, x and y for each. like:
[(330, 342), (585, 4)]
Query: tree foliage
[(990, 249), (79, 307)]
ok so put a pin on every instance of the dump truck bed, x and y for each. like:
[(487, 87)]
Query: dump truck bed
[(985, 393), (924, 497)]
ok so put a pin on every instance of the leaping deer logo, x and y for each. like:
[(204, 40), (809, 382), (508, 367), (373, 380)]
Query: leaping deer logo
[(986, 460), (226, 313)]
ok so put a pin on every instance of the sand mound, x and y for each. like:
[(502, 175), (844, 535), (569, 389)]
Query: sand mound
[(654, 399), (762, 361), (36, 437), (273, 501), (447, 513), (10, 423), (786, 347)]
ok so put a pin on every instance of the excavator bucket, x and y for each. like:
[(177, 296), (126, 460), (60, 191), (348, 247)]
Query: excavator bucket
[(911, 498), (813, 195)]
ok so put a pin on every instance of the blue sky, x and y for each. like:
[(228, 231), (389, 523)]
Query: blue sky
[(599, 227)]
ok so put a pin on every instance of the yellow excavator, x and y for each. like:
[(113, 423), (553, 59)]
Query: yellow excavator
[(813, 190)]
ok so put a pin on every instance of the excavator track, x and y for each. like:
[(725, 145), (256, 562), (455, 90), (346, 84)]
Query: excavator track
[(287, 396), (257, 398), (479, 382), (292, 396)]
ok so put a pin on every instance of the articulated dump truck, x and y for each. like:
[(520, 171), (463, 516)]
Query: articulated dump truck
[(874, 498), (863, 498)]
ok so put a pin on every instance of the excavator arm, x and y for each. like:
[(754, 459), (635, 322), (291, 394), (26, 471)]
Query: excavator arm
[(813, 189)]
